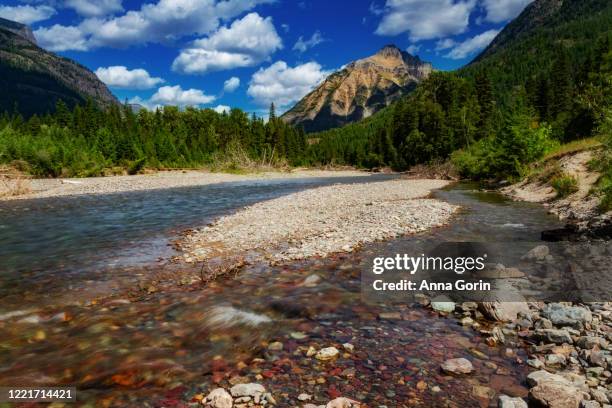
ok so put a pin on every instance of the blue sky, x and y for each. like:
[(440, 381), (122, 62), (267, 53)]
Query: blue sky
[(247, 53)]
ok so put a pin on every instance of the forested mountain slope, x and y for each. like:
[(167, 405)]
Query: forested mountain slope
[(547, 69), (34, 80)]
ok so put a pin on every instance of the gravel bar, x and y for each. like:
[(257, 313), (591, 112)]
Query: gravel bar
[(42, 188), (321, 221)]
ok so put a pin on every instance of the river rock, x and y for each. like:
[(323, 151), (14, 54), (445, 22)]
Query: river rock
[(588, 342), (556, 391), (562, 315), (275, 346), (327, 353), (457, 366), (538, 253), (342, 402), (247, 390), (503, 311), (556, 395), (442, 304), (599, 358), (555, 360), (218, 398), (508, 402), (482, 392), (535, 363), (557, 336), (600, 396), (312, 281), (590, 404)]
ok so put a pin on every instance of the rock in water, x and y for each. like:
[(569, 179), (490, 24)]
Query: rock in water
[(538, 253), (219, 398), (327, 353), (503, 311), (443, 304), (557, 336), (342, 403), (457, 366), (247, 390), (508, 402)]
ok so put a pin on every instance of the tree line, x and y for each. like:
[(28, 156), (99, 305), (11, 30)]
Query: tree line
[(88, 141)]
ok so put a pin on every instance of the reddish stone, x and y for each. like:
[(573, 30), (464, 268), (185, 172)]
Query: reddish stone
[(335, 371), (333, 392)]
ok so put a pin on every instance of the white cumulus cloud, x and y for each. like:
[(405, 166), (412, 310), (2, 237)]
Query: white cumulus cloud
[(162, 22), (472, 45), (121, 77), (247, 42), (303, 45), (222, 108), (61, 38), (503, 10), (424, 20), (95, 8), (27, 14), (175, 95), (283, 85), (231, 84)]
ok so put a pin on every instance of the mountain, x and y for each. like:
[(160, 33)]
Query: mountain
[(528, 46), (33, 79), (359, 90)]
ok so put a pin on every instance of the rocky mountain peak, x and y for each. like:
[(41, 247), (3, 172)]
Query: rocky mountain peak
[(390, 51), (19, 29), (359, 90)]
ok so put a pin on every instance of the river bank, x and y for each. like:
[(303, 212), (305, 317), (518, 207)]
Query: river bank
[(578, 207), (46, 188)]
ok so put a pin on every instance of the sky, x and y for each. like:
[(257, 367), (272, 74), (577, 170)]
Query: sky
[(249, 53)]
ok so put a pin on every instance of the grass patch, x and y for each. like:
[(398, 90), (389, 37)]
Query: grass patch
[(13, 182), (573, 147), (236, 160), (564, 184)]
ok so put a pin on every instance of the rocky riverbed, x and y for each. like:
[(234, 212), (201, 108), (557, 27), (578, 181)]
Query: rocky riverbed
[(321, 221), (568, 345)]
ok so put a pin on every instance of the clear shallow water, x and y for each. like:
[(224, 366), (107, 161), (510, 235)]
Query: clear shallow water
[(160, 349), (78, 237)]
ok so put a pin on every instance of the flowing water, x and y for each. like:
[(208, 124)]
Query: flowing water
[(162, 347)]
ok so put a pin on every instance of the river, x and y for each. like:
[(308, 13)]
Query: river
[(134, 347)]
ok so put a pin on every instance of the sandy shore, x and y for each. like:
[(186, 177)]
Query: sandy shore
[(321, 221), (42, 188)]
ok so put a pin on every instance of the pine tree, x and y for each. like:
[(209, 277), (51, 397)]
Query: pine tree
[(561, 83), (272, 115), (486, 102)]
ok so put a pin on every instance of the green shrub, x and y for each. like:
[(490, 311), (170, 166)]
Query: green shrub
[(604, 162), (507, 154), (564, 185)]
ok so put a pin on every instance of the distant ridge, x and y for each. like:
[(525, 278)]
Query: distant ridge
[(32, 80)]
